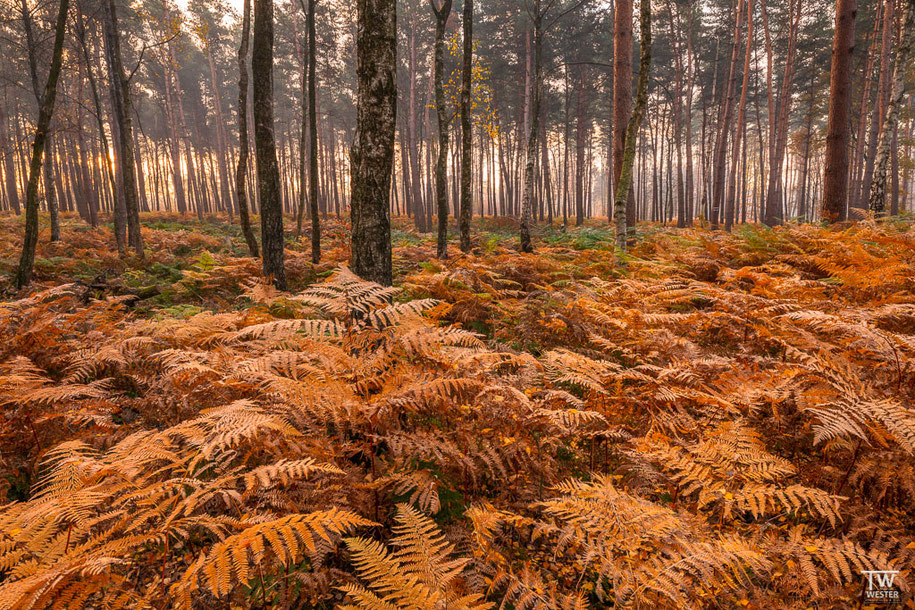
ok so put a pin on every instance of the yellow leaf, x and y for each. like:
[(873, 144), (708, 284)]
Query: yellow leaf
[(811, 549), (728, 496)]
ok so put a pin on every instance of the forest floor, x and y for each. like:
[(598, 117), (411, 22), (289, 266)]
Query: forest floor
[(717, 420)]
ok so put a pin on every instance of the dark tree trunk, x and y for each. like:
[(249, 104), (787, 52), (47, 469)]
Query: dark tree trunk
[(268, 174), (835, 175), (120, 105), (441, 200), (372, 153), (241, 170), (527, 198), (466, 134), (46, 111), (622, 93), (313, 138), (635, 122), (48, 167), (877, 198)]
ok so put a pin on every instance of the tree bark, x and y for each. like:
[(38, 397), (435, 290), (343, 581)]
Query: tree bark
[(46, 111), (466, 134), (534, 128), (441, 201), (121, 108), (268, 175), (635, 123), (48, 167), (313, 138), (883, 94), (372, 153), (241, 169), (729, 208), (835, 174), (622, 94), (877, 199)]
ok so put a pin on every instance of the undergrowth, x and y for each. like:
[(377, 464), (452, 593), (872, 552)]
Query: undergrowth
[(725, 421)]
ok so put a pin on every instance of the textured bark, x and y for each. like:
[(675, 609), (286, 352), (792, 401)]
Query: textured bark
[(677, 114), (726, 112), (835, 175), (372, 154), (221, 138), (419, 206), (774, 213), (120, 106), (46, 111), (877, 199), (527, 198), (268, 174), (241, 169), (883, 95), (729, 207), (635, 123), (582, 128), (441, 200), (48, 167), (622, 94), (9, 169), (466, 134), (313, 138), (103, 138)]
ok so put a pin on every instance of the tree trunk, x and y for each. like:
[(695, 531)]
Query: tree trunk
[(835, 174), (635, 123), (883, 80), (372, 153), (268, 175), (531, 156), (121, 108), (877, 199), (726, 110), (622, 94), (313, 138), (241, 170), (466, 134), (46, 111), (729, 209), (775, 192), (441, 200)]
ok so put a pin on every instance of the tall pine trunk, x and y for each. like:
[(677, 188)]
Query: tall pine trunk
[(372, 153), (632, 128), (877, 198), (313, 138), (466, 134), (241, 169), (622, 93), (268, 174), (121, 108), (45, 112), (441, 200), (527, 198), (835, 174)]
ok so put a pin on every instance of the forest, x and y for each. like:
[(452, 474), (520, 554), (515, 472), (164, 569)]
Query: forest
[(437, 304)]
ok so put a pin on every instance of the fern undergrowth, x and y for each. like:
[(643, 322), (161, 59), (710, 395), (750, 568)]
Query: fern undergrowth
[(727, 422)]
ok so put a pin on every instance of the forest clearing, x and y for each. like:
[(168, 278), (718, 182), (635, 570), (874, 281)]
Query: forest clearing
[(723, 422)]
